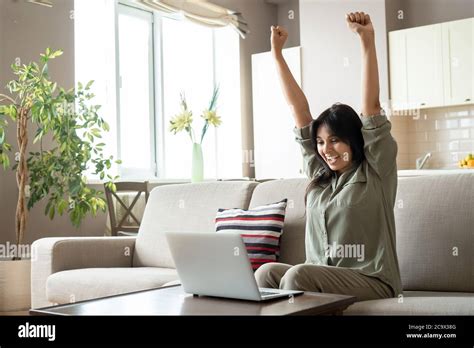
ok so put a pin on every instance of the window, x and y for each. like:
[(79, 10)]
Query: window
[(94, 53), (187, 52), (194, 59), (136, 92), (142, 61)]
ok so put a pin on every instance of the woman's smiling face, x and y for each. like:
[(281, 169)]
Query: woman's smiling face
[(333, 150)]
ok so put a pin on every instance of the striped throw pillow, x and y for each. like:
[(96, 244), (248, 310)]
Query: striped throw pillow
[(260, 228)]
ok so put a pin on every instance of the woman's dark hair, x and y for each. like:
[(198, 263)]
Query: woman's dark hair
[(344, 123)]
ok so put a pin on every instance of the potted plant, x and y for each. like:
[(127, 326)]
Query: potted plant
[(55, 172)]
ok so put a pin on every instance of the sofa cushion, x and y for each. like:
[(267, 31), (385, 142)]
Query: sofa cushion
[(292, 250), (417, 303), (88, 283), (260, 228), (435, 224), (184, 208)]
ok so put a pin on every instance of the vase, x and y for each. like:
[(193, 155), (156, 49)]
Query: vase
[(15, 285), (197, 165)]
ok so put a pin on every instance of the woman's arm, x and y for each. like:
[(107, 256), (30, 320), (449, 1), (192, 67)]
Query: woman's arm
[(294, 95), (360, 23), (380, 148)]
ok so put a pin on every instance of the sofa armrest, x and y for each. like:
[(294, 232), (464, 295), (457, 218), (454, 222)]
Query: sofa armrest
[(51, 255)]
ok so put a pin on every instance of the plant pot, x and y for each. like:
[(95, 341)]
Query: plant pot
[(15, 285), (197, 164)]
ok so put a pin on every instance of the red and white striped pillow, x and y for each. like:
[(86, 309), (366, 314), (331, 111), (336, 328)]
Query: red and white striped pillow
[(260, 228)]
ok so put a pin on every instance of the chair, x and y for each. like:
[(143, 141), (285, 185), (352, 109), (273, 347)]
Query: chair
[(131, 192)]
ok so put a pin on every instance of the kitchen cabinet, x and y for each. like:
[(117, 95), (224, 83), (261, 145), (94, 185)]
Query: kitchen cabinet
[(458, 49), (398, 69), (424, 67), (431, 66)]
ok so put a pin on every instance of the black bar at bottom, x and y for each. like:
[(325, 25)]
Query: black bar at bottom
[(328, 330)]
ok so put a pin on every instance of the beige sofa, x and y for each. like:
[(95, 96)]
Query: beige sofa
[(434, 219)]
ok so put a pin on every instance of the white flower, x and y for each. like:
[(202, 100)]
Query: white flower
[(211, 117)]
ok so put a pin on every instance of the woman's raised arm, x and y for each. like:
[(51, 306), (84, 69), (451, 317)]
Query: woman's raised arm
[(360, 23), (293, 94), (380, 148)]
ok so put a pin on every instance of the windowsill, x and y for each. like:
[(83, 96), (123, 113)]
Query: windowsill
[(151, 181)]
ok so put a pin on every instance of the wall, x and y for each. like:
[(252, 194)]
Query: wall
[(289, 20), (424, 12), (396, 16), (448, 133), (3, 198), (415, 13), (2, 40), (331, 55), (27, 30)]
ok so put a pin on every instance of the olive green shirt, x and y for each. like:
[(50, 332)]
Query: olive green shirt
[(350, 220)]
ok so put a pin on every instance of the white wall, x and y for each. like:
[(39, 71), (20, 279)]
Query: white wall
[(327, 44)]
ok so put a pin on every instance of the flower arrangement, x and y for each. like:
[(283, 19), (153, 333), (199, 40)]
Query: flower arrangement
[(184, 120)]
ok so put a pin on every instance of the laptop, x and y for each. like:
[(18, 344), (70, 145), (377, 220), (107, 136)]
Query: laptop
[(217, 264)]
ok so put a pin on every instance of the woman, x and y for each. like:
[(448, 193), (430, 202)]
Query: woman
[(351, 161)]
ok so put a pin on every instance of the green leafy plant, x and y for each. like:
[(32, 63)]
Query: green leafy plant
[(74, 126), (184, 120)]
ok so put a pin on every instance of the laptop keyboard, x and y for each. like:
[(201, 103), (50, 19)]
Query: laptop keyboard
[(266, 293)]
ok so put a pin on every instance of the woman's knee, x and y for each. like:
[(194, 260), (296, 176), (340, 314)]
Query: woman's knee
[(298, 278), (261, 273), (269, 274)]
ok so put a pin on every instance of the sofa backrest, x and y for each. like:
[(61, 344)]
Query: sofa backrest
[(435, 232), (292, 250), (184, 208)]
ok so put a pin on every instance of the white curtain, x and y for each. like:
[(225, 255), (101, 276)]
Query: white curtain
[(202, 12)]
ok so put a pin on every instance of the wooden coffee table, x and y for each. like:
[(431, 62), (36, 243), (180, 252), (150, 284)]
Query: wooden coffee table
[(173, 300)]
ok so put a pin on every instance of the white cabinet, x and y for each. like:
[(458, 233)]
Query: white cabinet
[(458, 49), (424, 67), (277, 155), (398, 69), (431, 66)]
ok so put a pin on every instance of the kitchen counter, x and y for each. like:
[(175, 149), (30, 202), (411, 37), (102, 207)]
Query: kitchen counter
[(420, 172)]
